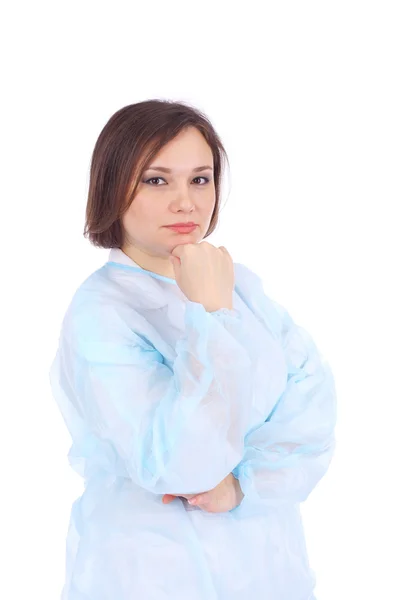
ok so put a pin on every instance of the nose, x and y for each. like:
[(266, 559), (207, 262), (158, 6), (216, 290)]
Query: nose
[(183, 199)]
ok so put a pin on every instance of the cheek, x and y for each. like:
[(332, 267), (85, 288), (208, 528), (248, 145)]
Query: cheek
[(210, 206), (206, 203), (139, 210), (212, 199), (129, 217)]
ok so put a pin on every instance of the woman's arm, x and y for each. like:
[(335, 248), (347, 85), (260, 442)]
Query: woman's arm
[(178, 430), (286, 457)]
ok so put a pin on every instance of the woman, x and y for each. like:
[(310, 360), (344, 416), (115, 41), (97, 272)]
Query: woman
[(180, 380)]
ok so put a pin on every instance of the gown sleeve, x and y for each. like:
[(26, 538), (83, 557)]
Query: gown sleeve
[(289, 453), (177, 430)]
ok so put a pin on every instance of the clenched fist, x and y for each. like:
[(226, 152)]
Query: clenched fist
[(205, 274)]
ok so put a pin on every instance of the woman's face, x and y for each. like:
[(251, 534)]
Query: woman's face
[(164, 198)]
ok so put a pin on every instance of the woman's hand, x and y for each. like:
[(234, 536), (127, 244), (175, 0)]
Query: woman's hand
[(205, 274), (223, 498)]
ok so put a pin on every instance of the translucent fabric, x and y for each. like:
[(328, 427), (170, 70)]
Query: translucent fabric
[(162, 397)]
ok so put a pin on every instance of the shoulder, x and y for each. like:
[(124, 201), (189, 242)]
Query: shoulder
[(92, 299), (251, 288), (251, 284), (244, 274), (101, 312), (105, 292), (249, 281)]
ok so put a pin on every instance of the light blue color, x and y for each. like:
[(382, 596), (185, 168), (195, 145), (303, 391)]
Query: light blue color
[(160, 396)]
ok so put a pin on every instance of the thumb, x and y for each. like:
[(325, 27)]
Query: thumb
[(174, 261)]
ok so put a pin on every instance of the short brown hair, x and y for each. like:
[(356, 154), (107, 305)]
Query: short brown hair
[(124, 149)]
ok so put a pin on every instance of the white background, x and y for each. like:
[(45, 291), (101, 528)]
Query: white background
[(305, 96)]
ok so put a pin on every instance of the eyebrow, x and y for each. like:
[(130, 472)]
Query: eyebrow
[(165, 170)]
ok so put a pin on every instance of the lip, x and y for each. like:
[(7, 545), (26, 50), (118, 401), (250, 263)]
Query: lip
[(182, 228), (183, 224)]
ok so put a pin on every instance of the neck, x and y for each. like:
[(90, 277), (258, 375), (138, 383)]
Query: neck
[(161, 265)]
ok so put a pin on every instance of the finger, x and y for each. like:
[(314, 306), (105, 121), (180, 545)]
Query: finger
[(199, 500), (167, 498)]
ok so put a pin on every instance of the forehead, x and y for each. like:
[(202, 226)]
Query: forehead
[(187, 151)]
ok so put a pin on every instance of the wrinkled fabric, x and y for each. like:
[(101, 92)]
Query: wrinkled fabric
[(162, 397)]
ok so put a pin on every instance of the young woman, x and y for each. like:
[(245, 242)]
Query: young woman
[(180, 380)]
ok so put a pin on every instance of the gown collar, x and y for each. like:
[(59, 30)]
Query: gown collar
[(116, 255)]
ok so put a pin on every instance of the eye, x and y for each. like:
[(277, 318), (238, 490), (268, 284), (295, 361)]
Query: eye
[(206, 178), (157, 178), (153, 179)]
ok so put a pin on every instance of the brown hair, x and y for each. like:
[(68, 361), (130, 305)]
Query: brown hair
[(124, 149)]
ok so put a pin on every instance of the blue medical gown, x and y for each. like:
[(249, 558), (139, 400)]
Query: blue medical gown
[(161, 396)]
